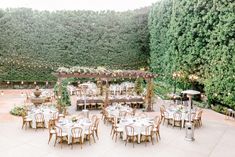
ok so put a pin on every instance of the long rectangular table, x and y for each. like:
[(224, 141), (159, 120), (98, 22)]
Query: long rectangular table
[(111, 100)]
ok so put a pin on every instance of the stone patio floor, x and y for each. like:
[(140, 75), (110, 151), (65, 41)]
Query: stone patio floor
[(216, 138)]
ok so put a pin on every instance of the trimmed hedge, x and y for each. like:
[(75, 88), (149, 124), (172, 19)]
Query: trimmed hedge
[(196, 37), (34, 43)]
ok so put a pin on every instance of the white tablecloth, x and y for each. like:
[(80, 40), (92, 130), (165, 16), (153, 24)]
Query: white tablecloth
[(138, 123), (47, 112), (67, 125)]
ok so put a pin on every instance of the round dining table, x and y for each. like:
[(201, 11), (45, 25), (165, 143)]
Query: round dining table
[(67, 124)]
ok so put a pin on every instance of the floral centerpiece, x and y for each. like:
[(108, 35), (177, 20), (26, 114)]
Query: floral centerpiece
[(74, 119)]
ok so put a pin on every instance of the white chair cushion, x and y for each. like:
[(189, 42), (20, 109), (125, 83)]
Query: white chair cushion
[(52, 131), (28, 119), (145, 133), (119, 129), (63, 134), (135, 133)]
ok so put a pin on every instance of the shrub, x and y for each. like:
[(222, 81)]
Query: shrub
[(18, 111)]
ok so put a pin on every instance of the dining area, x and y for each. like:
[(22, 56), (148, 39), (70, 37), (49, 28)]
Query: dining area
[(131, 125)]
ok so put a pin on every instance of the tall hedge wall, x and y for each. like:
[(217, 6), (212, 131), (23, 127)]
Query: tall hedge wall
[(196, 37), (33, 43)]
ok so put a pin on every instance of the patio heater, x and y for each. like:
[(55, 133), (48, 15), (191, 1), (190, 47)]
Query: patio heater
[(189, 126)]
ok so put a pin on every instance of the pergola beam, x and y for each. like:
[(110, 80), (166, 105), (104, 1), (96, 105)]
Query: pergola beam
[(83, 72)]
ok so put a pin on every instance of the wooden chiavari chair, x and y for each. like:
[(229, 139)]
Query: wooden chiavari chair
[(51, 128), (116, 129), (26, 121), (177, 119), (193, 115), (198, 118), (60, 135), (131, 134), (166, 118), (156, 130), (148, 133), (93, 118), (96, 127), (76, 133), (107, 117), (40, 121), (93, 105), (90, 133)]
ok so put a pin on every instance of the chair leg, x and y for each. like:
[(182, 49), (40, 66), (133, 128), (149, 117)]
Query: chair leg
[(116, 137), (126, 140), (152, 140), (61, 140), (96, 133), (23, 125), (159, 135), (145, 139), (113, 135), (81, 142), (133, 140), (89, 138), (55, 141), (111, 131), (72, 143), (49, 138), (93, 137)]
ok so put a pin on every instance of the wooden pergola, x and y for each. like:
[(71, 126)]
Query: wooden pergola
[(107, 75)]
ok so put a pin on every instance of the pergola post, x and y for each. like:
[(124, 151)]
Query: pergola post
[(106, 102), (149, 94), (59, 96)]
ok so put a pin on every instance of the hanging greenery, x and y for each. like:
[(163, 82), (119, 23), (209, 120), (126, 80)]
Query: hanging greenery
[(196, 37)]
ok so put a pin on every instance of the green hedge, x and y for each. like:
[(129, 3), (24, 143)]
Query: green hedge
[(34, 43), (196, 37)]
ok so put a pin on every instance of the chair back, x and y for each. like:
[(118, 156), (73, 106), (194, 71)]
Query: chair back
[(166, 114), (76, 132), (130, 130), (39, 117), (162, 110), (93, 118), (97, 121), (58, 131), (55, 116), (156, 120), (115, 121), (193, 116), (199, 114), (90, 129), (149, 129), (51, 124)]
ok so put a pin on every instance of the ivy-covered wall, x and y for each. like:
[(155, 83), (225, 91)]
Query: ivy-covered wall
[(34, 43), (195, 37)]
